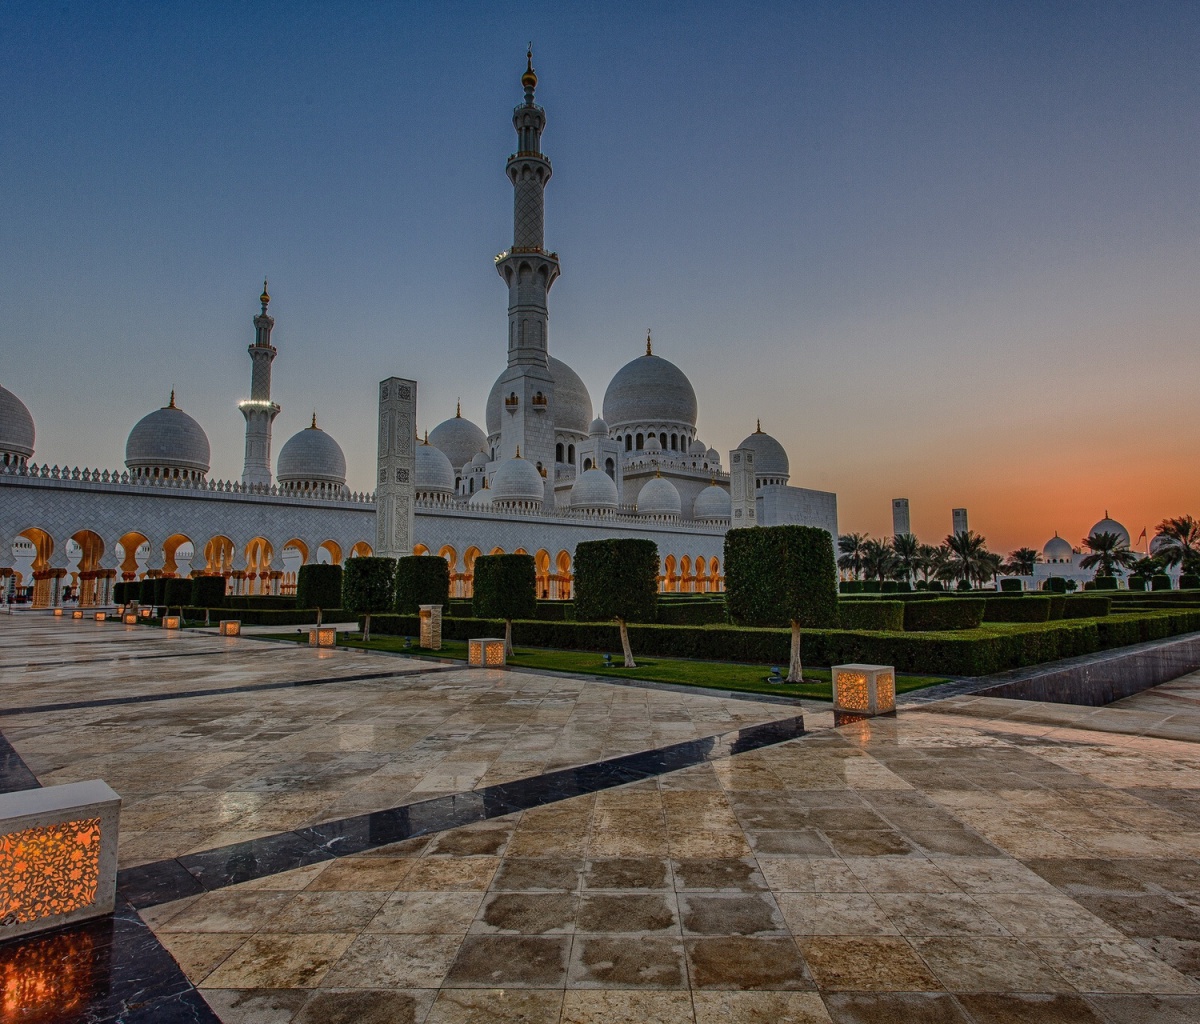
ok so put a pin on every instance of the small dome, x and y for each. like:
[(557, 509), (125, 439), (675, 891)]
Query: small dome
[(433, 471), (572, 404), (598, 428), (16, 429), (712, 503), (650, 390), (311, 457), (458, 439), (482, 498), (594, 489), (769, 457), (658, 497), (1107, 525), (714, 456), (1057, 550), (518, 480), (1160, 542), (168, 441), (697, 448), (480, 461), (653, 444)]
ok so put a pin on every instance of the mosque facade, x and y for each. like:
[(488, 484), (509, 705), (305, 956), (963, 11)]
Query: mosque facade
[(544, 473)]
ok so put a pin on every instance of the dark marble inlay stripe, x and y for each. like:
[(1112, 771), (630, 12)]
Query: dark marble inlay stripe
[(210, 653), (147, 698), (14, 772), (163, 881)]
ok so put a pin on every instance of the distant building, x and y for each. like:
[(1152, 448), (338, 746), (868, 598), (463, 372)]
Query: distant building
[(900, 521), (958, 518)]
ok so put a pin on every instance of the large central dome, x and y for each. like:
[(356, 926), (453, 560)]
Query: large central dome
[(572, 403), (650, 391)]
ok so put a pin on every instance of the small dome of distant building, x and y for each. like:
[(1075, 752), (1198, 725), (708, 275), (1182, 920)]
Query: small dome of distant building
[(770, 459), (518, 481), (658, 497), (572, 405), (697, 448), (1057, 550), (433, 474), (311, 460), (1160, 542), (712, 503), (598, 428), (650, 390), (167, 444), (1107, 525), (714, 456), (482, 498), (16, 430), (480, 460), (458, 439), (652, 444), (594, 489)]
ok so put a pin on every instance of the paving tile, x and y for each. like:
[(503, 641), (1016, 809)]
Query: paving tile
[(495, 1006), (866, 964), (744, 962), (515, 961), (759, 1008), (609, 961), (385, 961), (893, 1008), (365, 1007), (992, 1008), (627, 912), (274, 961), (427, 913), (627, 873), (527, 913), (604, 1007), (834, 913)]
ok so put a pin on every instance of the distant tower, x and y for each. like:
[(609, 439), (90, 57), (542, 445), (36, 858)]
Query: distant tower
[(528, 418), (958, 518), (743, 498), (900, 521), (395, 491), (259, 410)]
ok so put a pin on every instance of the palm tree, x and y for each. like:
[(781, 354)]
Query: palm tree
[(1021, 561), (990, 566), (1145, 568), (851, 547), (1182, 547), (907, 550), (968, 556), (1109, 551), (928, 564), (878, 560)]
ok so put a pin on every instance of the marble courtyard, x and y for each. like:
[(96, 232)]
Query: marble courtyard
[(340, 836)]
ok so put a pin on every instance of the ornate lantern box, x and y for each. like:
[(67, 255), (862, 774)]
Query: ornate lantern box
[(864, 689), (171, 622), (147, 612), (100, 616), (323, 636), (131, 618), (57, 612), (486, 652), (230, 627), (431, 626), (58, 856), (77, 614)]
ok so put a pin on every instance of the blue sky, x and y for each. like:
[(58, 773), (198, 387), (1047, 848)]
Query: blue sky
[(944, 251)]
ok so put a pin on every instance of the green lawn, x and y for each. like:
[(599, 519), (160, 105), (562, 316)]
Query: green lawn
[(717, 675)]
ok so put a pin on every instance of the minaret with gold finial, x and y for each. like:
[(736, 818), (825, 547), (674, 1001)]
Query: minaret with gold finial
[(259, 410), (529, 270)]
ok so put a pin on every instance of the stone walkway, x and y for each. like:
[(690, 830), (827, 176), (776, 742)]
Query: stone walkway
[(974, 861)]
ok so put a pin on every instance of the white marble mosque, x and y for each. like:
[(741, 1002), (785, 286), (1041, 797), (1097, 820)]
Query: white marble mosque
[(544, 473)]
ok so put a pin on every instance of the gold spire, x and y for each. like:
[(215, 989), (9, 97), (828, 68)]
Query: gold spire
[(264, 298), (458, 410), (518, 451), (427, 436), (171, 403), (314, 422), (758, 426), (649, 344), (529, 79)]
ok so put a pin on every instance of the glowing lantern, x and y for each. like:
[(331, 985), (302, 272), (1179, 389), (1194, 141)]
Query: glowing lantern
[(864, 689), (431, 626), (77, 614), (147, 612), (100, 616), (57, 612), (131, 619), (325, 636), (58, 856), (231, 627), (486, 652), (171, 622)]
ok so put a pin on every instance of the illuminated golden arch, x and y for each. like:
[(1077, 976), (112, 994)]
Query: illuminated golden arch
[(670, 581), (333, 549), (43, 580), (130, 543), (218, 556), (685, 575), (560, 582), (361, 549), (171, 546), (420, 549), (497, 551), (714, 574), (297, 545), (258, 566)]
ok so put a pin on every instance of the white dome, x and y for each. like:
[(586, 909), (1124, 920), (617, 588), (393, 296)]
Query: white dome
[(433, 471), (712, 503), (482, 498), (658, 497), (1160, 542), (168, 439), (714, 456), (1057, 550), (480, 460), (518, 480), (1107, 525), (311, 456), (16, 427), (458, 439), (598, 428), (594, 489), (572, 403), (650, 390), (697, 448), (652, 444), (769, 457)]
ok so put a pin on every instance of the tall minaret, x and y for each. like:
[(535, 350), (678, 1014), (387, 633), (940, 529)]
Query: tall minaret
[(258, 409), (529, 270)]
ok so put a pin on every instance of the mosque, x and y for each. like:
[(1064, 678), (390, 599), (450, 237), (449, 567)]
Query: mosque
[(543, 474)]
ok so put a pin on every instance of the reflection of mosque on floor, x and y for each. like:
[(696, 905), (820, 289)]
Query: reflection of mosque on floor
[(544, 475)]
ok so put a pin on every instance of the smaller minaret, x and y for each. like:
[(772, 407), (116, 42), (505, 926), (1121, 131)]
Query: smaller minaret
[(259, 410)]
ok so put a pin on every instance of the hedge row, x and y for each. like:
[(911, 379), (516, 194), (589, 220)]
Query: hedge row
[(872, 615), (951, 614), (978, 653), (1027, 609), (1086, 606)]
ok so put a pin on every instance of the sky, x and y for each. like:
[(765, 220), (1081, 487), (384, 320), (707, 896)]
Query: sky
[(944, 251)]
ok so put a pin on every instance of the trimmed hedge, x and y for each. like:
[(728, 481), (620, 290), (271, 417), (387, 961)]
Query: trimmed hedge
[(1012, 586), (876, 615), (1161, 581), (691, 613), (555, 611), (948, 614), (1106, 583), (177, 593), (1086, 607), (1058, 604), (208, 592), (264, 617), (616, 579), (505, 587), (1027, 608), (1189, 581), (319, 586), (872, 587), (1056, 585), (1137, 582), (265, 602), (145, 592), (850, 587), (421, 579), (776, 575)]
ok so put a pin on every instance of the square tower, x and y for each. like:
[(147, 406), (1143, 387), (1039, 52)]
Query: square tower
[(958, 519), (395, 489), (901, 524)]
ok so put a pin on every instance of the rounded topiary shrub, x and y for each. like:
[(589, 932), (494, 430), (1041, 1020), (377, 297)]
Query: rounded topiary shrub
[(1137, 582), (936, 585), (421, 579), (618, 579), (1056, 585), (1012, 585)]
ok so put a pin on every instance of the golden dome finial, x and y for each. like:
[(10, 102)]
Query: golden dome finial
[(649, 343), (758, 426), (426, 436), (314, 422), (264, 298), (458, 410), (529, 79), (518, 451), (171, 403)]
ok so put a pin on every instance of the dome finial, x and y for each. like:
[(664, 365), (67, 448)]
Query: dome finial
[(518, 451), (264, 298), (458, 409), (649, 343), (171, 403), (758, 426), (314, 422), (529, 79), (426, 437)]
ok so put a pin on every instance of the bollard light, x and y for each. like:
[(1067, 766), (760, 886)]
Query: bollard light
[(325, 636), (230, 627), (486, 652), (130, 619), (864, 689), (171, 622)]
